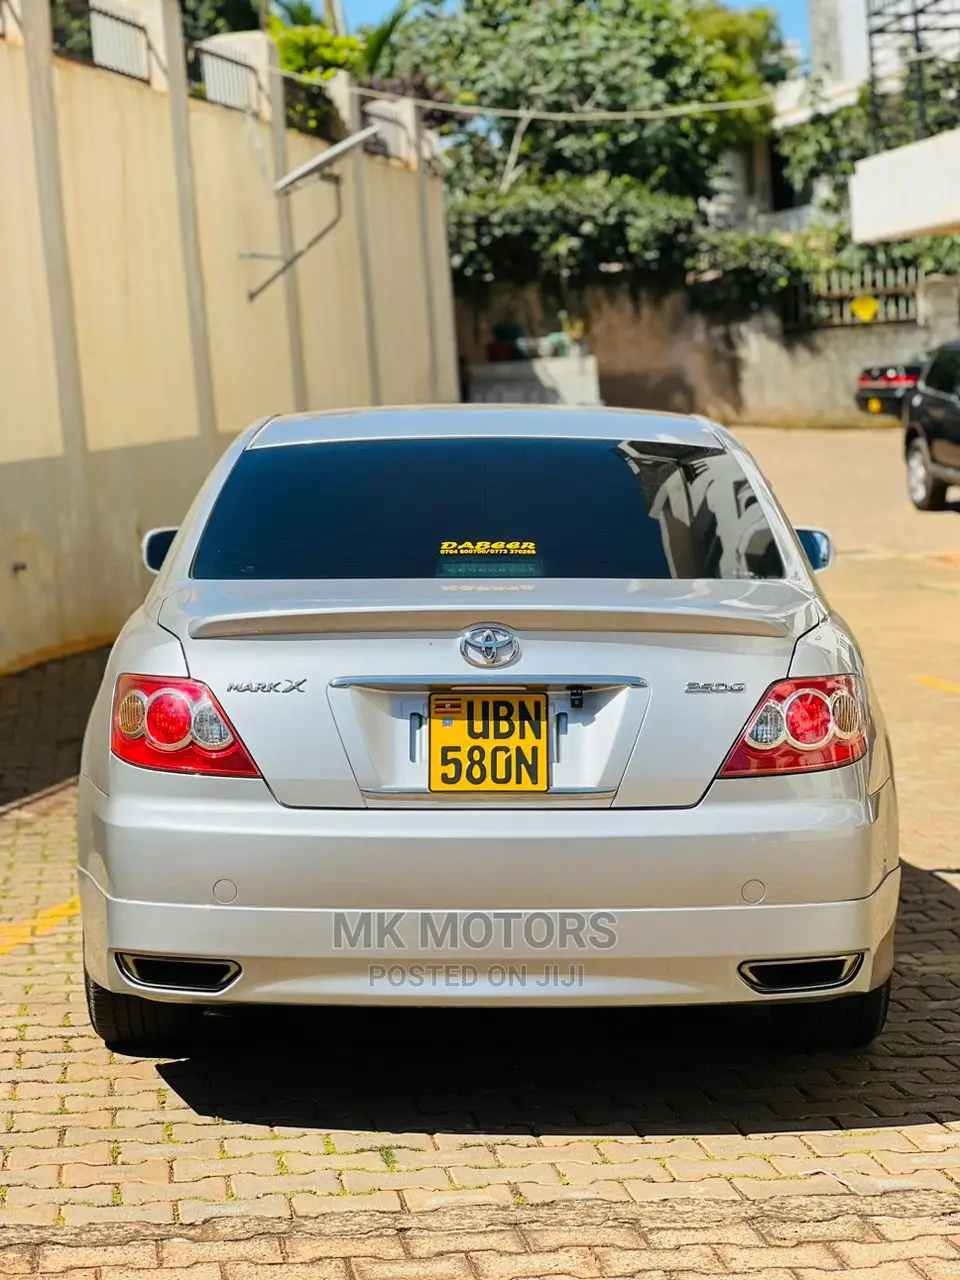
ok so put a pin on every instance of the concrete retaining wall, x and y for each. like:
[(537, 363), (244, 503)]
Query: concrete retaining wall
[(655, 353)]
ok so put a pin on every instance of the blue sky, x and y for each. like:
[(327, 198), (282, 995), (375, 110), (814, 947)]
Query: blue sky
[(793, 14)]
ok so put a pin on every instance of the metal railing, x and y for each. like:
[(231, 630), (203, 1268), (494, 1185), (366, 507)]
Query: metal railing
[(924, 100), (103, 35), (852, 299), (223, 78), (914, 66)]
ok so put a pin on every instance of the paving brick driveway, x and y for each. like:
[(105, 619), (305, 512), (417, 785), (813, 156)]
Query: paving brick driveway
[(489, 1145)]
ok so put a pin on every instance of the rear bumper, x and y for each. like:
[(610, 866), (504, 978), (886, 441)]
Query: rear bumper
[(668, 957), (663, 895), (891, 401)]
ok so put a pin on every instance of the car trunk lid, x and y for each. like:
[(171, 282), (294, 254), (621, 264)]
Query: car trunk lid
[(329, 684)]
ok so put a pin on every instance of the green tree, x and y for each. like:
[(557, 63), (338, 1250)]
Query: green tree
[(204, 18), (301, 13), (613, 55), (832, 245), (378, 41), (830, 143), (307, 42), (307, 47), (533, 198), (569, 226), (70, 24), (314, 51), (297, 13), (746, 59)]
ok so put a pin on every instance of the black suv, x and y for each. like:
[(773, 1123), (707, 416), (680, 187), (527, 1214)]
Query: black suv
[(931, 421)]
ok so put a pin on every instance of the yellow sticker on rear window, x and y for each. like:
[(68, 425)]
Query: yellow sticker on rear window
[(483, 548)]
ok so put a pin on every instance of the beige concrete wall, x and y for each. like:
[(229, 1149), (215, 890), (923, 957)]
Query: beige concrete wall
[(331, 301), (443, 303), (29, 420), (69, 569), (29, 415), (401, 306), (124, 241), (236, 214)]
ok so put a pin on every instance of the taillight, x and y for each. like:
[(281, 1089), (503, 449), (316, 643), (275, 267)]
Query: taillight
[(801, 725), (175, 725), (888, 380)]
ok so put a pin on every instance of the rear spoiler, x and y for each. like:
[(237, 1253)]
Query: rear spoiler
[(716, 619)]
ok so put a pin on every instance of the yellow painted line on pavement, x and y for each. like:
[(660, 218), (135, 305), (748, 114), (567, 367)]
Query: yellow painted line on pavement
[(15, 935), (934, 682)]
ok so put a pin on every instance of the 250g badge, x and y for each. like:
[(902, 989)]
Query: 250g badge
[(714, 686)]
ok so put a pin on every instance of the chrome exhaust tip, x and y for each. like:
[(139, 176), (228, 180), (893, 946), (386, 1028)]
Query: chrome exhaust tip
[(787, 977), (168, 973)]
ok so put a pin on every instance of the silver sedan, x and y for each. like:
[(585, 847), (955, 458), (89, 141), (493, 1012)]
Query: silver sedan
[(480, 706)]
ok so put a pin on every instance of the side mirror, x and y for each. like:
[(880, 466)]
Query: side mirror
[(818, 546), (154, 548)]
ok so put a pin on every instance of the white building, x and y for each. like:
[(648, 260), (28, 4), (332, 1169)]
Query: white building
[(912, 190), (756, 193)]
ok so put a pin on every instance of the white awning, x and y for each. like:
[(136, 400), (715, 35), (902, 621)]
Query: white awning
[(908, 192)]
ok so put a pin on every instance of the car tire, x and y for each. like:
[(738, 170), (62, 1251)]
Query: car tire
[(927, 493), (844, 1023), (142, 1028)]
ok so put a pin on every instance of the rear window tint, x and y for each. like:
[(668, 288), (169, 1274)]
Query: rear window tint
[(468, 508)]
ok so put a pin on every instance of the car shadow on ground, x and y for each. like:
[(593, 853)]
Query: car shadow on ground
[(598, 1072), (43, 715)]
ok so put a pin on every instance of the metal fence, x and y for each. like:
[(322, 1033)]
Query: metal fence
[(851, 299), (224, 78), (104, 35), (914, 80)]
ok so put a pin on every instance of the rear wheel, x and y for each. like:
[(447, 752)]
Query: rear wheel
[(846, 1022), (142, 1028), (927, 493)]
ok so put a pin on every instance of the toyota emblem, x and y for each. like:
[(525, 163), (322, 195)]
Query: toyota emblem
[(490, 646)]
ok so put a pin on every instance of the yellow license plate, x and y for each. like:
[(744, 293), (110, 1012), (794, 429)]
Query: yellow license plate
[(488, 742), (874, 405)]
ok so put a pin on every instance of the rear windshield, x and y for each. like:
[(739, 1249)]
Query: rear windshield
[(469, 508)]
